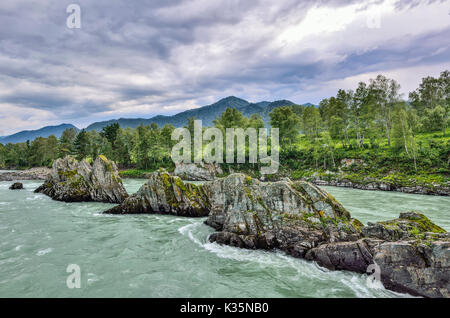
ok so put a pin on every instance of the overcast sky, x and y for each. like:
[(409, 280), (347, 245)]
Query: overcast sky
[(149, 57)]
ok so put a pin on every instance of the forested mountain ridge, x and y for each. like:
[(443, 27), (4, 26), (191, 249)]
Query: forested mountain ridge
[(205, 113), (25, 135)]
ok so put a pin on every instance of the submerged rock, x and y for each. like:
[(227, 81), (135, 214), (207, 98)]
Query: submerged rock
[(166, 194), (16, 186), (73, 181), (197, 171)]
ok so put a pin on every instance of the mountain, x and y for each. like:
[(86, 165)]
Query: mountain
[(33, 134), (206, 113)]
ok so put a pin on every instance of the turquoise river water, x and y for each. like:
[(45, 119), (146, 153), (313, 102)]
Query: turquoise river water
[(168, 256)]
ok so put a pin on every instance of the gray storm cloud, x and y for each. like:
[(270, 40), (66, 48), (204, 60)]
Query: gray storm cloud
[(144, 58)]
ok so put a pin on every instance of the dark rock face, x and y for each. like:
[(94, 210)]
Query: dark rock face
[(166, 194), (197, 172), (415, 268), (73, 181), (16, 186)]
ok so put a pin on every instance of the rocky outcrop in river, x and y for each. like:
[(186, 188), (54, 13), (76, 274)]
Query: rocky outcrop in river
[(197, 171), (73, 181), (30, 174), (166, 194), (409, 254)]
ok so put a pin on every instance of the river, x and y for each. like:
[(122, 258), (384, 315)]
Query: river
[(167, 256)]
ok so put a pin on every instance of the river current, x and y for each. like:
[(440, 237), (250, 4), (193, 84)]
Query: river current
[(168, 256)]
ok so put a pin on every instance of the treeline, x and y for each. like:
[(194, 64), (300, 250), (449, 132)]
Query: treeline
[(371, 117)]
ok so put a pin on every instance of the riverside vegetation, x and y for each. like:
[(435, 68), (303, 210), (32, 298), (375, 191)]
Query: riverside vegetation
[(390, 143)]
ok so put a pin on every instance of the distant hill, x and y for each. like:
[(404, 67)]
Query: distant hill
[(33, 134), (206, 113)]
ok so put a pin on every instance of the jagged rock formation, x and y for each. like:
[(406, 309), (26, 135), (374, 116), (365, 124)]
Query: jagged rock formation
[(197, 171), (166, 194), (292, 216), (73, 181), (30, 174), (16, 186), (412, 253)]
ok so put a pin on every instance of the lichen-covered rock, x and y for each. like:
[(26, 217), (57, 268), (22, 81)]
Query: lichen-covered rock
[(412, 253), (197, 171), (73, 181), (293, 216), (166, 194), (16, 186), (410, 225)]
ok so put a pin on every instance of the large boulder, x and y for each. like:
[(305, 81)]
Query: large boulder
[(197, 171), (292, 216), (73, 181), (166, 194)]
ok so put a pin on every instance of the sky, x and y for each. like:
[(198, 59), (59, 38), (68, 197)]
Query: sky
[(149, 57)]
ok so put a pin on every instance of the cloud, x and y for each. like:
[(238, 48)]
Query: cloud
[(149, 57)]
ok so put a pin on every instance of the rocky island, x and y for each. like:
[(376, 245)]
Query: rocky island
[(73, 181), (299, 218)]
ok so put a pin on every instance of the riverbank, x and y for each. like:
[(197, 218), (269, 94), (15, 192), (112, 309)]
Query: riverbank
[(38, 173), (430, 189)]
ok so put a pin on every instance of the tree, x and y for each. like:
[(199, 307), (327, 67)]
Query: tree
[(66, 141), (311, 122), (82, 144), (110, 132), (432, 101), (231, 118), (385, 94), (287, 122)]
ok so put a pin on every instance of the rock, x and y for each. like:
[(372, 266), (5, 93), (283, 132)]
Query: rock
[(304, 221), (295, 216), (166, 194), (73, 181), (39, 173), (352, 256), (349, 162), (410, 225), (16, 186), (197, 171), (415, 268)]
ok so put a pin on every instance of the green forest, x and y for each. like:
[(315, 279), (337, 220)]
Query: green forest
[(396, 138)]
